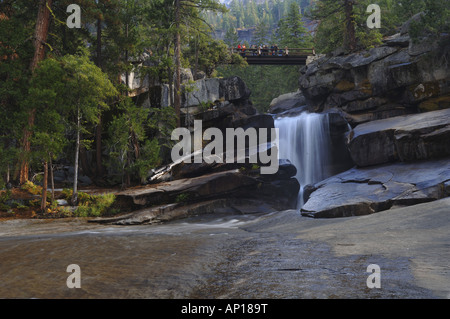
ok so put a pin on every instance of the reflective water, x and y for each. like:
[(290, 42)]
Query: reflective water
[(221, 256)]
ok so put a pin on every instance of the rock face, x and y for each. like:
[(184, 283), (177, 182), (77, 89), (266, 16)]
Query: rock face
[(194, 93), (397, 78), (287, 102), (362, 191), (403, 138), (396, 99), (236, 191)]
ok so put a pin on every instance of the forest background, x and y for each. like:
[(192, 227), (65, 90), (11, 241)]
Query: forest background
[(64, 93)]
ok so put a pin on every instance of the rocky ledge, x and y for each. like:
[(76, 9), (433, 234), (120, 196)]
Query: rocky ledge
[(237, 191), (402, 138), (362, 191), (399, 77), (401, 160)]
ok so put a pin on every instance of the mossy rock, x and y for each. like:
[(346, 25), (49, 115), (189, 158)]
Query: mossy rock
[(344, 86), (439, 103), (366, 87)]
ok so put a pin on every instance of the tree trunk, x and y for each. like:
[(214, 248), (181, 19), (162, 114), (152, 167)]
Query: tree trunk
[(44, 188), (26, 147), (98, 147), (99, 43), (177, 96), (77, 151), (350, 26), (39, 39), (84, 162), (52, 180), (126, 63), (98, 131), (41, 33), (171, 101), (196, 57)]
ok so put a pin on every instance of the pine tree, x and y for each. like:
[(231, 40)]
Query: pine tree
[(231, 37), (39, 43), (261, 34), (291, 31), (342, 24), (47, 94)]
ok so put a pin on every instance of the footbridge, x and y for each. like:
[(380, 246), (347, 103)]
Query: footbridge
[(269, 56)]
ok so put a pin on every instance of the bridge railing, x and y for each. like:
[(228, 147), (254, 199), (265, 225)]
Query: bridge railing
[(248, 52)]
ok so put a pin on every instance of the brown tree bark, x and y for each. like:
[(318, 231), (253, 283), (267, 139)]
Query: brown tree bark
[(177, 96), (39, 39), (41, 32), (350, 37), (74, 199), (52, 179)]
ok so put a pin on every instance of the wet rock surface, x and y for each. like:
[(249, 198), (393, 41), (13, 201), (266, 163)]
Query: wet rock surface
[(277, 255)]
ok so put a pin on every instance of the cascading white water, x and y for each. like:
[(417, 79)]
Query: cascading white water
[(305, 141)]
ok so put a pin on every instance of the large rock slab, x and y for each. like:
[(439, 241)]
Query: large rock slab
[(239, 183), (205, 186), (362, 191), (403, 138)]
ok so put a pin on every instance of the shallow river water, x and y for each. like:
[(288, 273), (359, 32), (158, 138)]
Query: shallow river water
[(282, 255)]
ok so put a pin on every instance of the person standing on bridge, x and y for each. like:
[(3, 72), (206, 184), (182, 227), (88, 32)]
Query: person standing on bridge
[(286, 51)]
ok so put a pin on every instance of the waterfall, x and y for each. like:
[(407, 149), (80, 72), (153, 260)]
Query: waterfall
[(305, 141)]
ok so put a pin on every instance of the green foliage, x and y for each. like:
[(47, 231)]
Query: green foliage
[(149, 158), (434, 21), (46, 93), (247, 13), (92, 205), (331, 31), (291, 31), (31, 188), (231, 38), (130, 150), (87, 88), (161, 123), (266, 82), (5, 196), (261, 35), (182, 198), (205, 54)]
